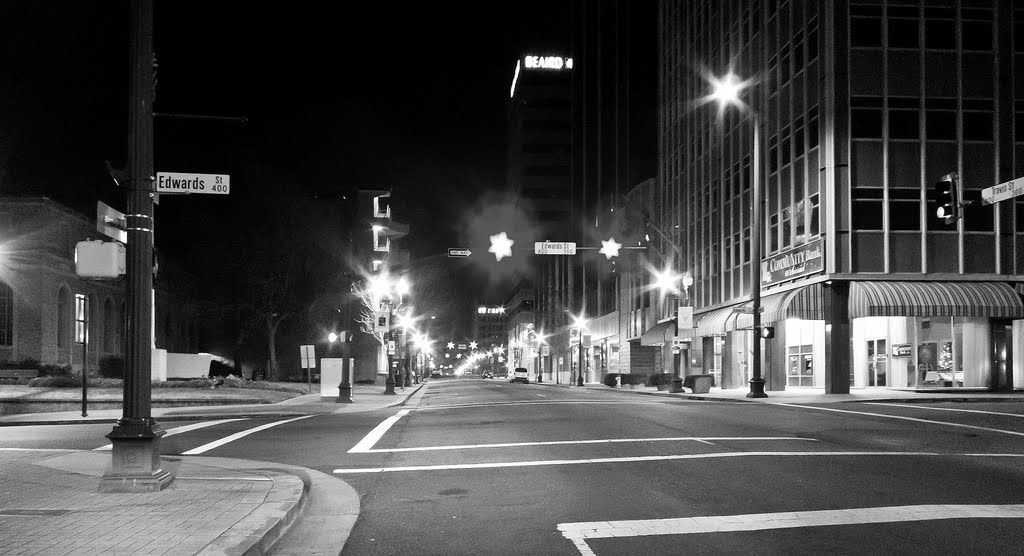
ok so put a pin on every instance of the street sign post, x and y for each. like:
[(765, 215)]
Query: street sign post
[(747, 310), (554, 248), (184, 183), (1002, 192), (455, 252)]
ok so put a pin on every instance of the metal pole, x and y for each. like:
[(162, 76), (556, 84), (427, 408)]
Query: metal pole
[(756, 381), (580, 369), (677, 379), (136, 465), (85, 360)]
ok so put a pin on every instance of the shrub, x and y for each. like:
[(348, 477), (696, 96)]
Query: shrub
[(659, 379), (112, 366), (54, 370), (23, 364), (68, 381), (609, 379)]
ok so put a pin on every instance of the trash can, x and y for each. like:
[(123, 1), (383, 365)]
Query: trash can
[(699, 384)]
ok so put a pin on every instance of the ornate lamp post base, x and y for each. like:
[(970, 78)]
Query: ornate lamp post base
[(677, 385), (389, 385), (135, 462), (757, 388)]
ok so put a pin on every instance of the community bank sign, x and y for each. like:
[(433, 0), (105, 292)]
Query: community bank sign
[(797, 262)]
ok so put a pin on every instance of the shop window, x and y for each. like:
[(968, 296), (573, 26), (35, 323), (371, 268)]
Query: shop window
[(800, 366), (866, 32), (866, 123)]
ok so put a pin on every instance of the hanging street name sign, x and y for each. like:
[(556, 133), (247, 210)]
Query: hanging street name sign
[(1002, 192), (452, 252), (554, 248), (179, 183)]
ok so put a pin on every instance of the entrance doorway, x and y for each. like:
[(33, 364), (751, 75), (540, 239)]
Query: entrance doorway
[(878, 362)]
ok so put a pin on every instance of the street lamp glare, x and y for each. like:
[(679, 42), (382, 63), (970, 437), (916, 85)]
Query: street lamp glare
[(727, 89), (332, 337), (402, 286), (665, 280)]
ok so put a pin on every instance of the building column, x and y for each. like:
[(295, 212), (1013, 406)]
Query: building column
[(837, 337)]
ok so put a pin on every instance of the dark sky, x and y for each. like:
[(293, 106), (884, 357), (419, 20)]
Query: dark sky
[(409, 96)]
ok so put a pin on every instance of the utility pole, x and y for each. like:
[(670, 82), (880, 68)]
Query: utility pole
[(135, 465)]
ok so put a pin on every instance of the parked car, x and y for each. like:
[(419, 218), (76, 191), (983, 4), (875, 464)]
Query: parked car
[(435, 374), (486, 375), (520, 374)]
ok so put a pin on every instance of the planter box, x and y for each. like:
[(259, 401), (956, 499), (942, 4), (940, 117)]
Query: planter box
[(699, 384)]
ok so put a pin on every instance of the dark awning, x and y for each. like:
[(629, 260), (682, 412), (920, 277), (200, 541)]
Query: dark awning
[(658, 334), (714, 323), (802, 303), (934, 299)]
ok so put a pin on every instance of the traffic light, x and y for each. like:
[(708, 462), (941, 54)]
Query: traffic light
[(947, 199), (767, 332)]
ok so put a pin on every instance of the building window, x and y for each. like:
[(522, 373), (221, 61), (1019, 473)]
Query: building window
[(6, 315), (903, 124), (978, 126), (940, 124), (903, 33), (63, 317), (866, 31)]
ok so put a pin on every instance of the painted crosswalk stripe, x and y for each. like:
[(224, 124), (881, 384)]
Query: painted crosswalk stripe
[(902, 418), (179, 430), (628, 459), (579, 533), (701, 439), (370, 439), (242, 434), (955, 409)]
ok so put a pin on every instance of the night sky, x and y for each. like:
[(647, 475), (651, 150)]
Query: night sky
[(411, 97)]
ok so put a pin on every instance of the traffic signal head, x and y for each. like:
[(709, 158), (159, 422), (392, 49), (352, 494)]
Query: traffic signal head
[(947, 199), (767, 332)]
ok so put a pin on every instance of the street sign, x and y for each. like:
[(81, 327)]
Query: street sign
[(554, 248), (747, 310), (391, 347), (1002, 192), (381, 321), (684, 317), (308, 355), (178, 182), (453, 252), (110, 222)]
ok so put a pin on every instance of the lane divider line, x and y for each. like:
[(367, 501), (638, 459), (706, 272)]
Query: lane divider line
[(580, 532), (242, 434), (628, 459), (902, 418), (704, 439), (366, 444), (179, 430)]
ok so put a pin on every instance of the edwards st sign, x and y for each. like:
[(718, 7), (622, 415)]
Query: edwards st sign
[(797, 262)]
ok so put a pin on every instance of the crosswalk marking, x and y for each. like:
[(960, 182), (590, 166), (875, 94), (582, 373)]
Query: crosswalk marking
[(578, 533)]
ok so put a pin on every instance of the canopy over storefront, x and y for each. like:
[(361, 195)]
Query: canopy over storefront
[(934, 299), (658, 334)]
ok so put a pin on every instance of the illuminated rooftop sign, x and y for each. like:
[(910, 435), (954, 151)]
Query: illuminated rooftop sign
[(539, 62), (547, 62), (491, 310)]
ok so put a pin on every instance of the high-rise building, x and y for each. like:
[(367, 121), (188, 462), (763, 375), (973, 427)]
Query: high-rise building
[(539, 146), (861, 107)]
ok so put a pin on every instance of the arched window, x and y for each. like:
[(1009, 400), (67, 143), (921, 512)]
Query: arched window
[(6, 315), (111, 326), (63, 317)]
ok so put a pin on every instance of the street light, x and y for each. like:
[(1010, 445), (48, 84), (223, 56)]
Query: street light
[(666, 280), (726, 92)]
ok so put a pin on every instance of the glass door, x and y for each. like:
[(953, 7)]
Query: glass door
[(878, 362)]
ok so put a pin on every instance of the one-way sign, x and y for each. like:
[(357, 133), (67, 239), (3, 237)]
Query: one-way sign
[(454, 252)]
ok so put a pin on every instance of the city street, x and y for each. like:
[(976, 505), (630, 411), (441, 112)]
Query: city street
[(471, 466)]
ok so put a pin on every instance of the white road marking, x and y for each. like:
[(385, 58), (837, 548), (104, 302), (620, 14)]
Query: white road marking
[(370, 439), (179, 430), (542, 395), (540, 402), (902, 418), (580, 532), (915, 406), (705, 440), (242, 434), (630, 459)]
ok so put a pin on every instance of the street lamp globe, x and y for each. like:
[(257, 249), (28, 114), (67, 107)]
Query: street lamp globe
[(332, 337), (726, 90)]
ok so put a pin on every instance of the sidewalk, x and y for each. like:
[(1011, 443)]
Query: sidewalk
[(50, 503), (818, 395)]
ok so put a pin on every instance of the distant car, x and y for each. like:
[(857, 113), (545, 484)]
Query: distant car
[(435, 374), (520, 374), (486, 375)]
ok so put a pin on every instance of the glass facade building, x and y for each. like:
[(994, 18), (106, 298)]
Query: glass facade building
[(862, 106)]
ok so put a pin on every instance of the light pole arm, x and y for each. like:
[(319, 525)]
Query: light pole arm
[(653, 226)]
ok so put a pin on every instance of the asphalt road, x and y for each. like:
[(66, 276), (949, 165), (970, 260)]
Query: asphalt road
[(487, 467)]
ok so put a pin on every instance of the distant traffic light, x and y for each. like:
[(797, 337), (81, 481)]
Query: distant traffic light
[(947, 199), (767, 332)]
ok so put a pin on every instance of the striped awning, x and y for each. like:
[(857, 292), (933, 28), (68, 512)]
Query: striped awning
[(658, 334), (934, 299), (714, 323), (801, 303)]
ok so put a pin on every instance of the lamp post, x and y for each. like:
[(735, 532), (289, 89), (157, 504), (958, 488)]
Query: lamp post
[(726, 91), (580, 323), (665, 281)]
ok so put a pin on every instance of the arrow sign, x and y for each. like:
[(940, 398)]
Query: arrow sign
[(454, 252)]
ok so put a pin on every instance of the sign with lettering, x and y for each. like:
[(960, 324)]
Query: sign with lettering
[(178, 182), (799, 261), (554, 248), (1002, 192), (901, 350), (547, 62)]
